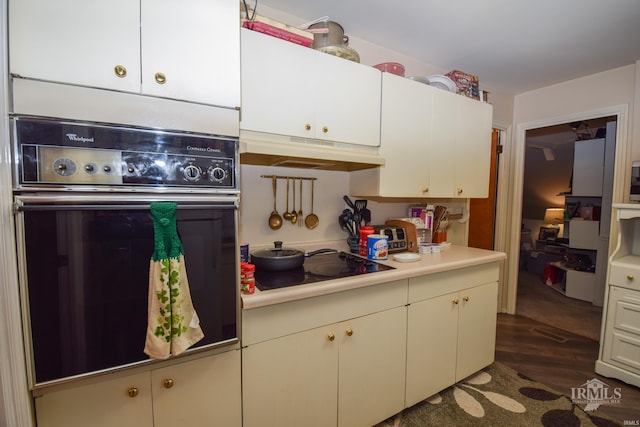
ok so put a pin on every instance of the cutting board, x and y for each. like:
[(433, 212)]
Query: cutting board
[(409, 230)]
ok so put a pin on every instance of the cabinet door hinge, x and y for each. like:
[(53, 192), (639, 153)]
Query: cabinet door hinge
[(498, 149)]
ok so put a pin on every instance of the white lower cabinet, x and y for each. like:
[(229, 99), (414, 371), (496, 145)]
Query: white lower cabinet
[(204, 391), (357, 357), (449, 336), (372, 367), (332, 360), (292, 381), (622, 330), (620, 342)]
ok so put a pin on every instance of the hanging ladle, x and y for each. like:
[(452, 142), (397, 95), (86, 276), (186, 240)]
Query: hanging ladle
[(275, 220), (311, 221)]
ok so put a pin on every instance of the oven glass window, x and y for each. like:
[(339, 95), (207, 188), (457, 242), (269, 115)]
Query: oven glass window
[(88, 281)]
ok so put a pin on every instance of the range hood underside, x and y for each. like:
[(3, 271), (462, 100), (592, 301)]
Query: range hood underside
[(276, 150)]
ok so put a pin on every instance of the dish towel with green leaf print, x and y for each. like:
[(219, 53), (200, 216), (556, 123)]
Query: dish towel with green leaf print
[(173, 324)]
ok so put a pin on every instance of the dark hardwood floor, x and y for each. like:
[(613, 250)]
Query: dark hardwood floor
[(559, 359)]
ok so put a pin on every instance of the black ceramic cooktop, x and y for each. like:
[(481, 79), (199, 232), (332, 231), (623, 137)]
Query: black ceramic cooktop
[(317, 268)]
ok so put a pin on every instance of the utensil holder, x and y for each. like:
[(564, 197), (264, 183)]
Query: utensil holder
[(353, 242)]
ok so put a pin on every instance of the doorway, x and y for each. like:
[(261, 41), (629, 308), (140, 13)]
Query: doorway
[(552, 287), (510, 207)]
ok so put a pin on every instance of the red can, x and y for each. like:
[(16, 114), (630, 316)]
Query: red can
[(365, 231)]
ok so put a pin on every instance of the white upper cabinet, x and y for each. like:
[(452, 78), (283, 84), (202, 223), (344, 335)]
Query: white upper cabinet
[(460, 147), (76, 42), (435, 144), (186, 51), (405, 137), (299, 92)]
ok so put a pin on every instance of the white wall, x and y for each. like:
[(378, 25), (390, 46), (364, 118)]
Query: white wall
[(256, 204)]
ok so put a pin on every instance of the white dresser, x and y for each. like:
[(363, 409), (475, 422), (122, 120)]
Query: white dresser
[(620, 342)]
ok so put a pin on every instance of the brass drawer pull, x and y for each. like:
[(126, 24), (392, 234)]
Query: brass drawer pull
[(629, 277), (349, 332), (133, 392), (331, 337), (168, 383), (120, 71), (160, 78)]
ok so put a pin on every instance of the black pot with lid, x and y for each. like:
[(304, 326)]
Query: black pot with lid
[(279, 258)]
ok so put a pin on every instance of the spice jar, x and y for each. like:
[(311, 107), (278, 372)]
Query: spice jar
[(247, 278)]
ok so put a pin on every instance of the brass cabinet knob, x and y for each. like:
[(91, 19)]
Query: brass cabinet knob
[(459, 190), (331, 337), (160, 78), (349, 332), (325, 129), (465, 299), (168, 383), (120, 71), (629, 277), (455, 301), (307, 126), (426, 190), (133, 391)]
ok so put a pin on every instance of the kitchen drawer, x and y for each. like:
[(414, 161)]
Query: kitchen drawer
[(624, 351), (273, 321), (433, 285), (625, 272), (626, 309), (622, 340)]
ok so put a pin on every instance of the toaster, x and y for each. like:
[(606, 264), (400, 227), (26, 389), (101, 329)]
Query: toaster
[(397, 237)]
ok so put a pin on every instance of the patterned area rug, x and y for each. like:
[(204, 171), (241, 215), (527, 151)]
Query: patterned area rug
[(498, 396)]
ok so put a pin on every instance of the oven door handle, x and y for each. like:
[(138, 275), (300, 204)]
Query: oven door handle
[(101, 207)]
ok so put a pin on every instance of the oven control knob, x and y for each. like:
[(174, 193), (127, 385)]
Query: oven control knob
[(217, 174), (90, 168), (132, 169), (64, 167), (106, 168), (191, 173)]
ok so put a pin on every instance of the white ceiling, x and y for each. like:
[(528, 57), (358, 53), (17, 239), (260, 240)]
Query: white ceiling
[(512, 45)]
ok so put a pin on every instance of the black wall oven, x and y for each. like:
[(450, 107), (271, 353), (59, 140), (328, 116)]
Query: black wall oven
[(85, 238)]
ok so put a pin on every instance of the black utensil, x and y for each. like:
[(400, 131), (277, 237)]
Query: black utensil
[(366, 216), (349, 202)]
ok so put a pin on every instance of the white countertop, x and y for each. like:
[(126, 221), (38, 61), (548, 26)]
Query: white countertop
[(448, 259)]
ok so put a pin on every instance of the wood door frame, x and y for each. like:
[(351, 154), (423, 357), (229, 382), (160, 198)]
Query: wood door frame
[(479, 217)]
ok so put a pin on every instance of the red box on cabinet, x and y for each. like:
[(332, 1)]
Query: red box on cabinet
[(466, 84)]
